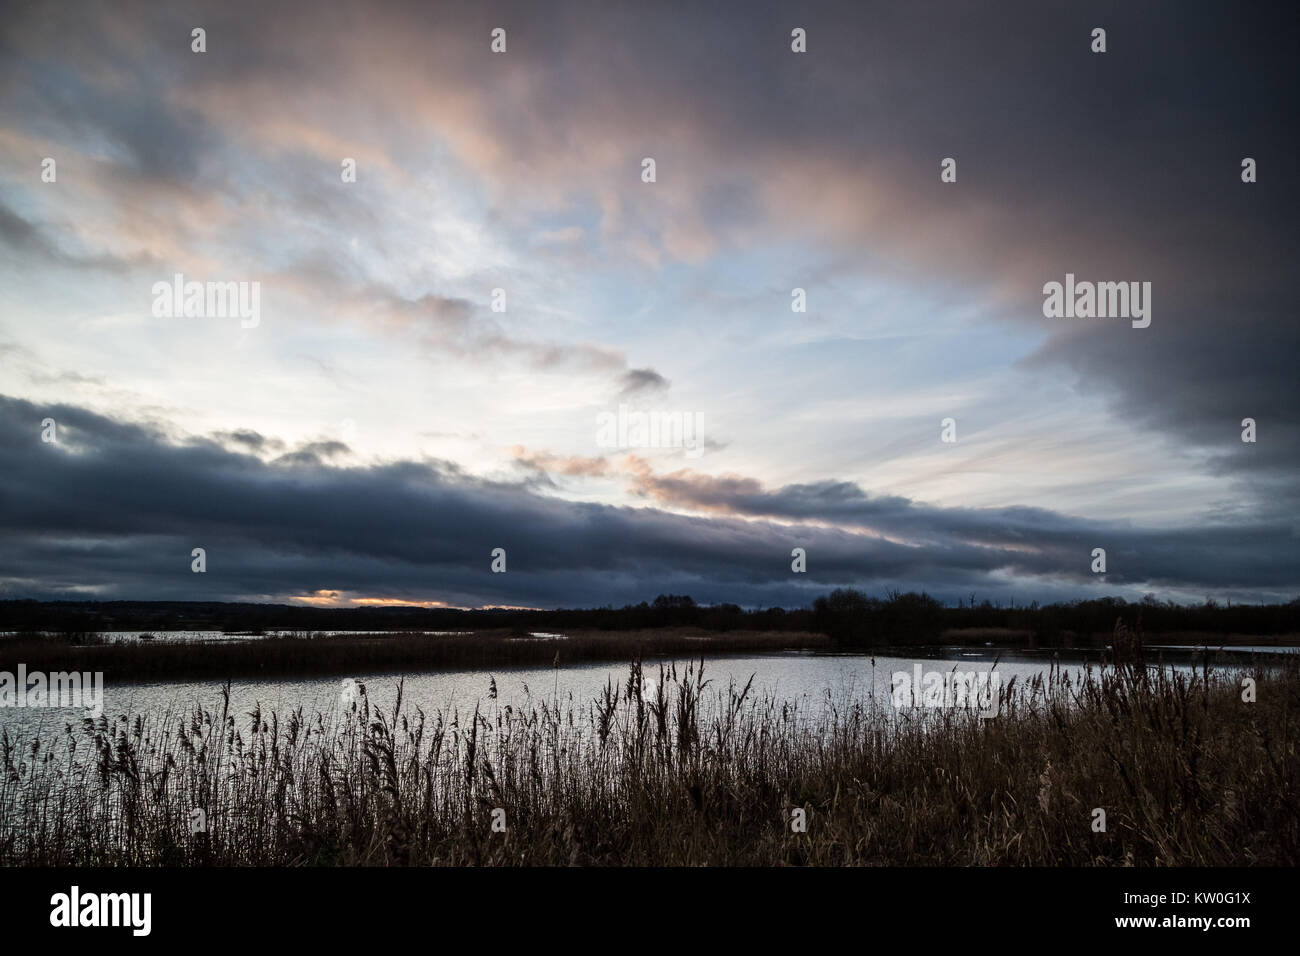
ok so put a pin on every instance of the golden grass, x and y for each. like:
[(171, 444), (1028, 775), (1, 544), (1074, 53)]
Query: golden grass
[(1187, 773)]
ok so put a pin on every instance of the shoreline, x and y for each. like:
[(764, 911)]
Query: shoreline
[(319, 655)]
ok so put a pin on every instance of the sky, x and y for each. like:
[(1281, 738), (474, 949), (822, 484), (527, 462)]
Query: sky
[(466, 273)]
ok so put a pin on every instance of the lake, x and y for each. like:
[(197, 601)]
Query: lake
[(811, 679)]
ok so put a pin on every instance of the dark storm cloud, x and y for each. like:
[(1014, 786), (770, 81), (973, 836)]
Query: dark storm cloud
[(1168, 557), (119, 507), (1197, 377)]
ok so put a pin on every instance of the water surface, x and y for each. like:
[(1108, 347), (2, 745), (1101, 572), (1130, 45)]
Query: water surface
[(812, 679)]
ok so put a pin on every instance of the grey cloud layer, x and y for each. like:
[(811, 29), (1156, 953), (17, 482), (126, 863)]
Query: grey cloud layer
[(118, 507), (1122, 166), (1117, 166)]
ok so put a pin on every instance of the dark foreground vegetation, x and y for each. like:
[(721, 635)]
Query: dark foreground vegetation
[(847, 616), (686, 773)]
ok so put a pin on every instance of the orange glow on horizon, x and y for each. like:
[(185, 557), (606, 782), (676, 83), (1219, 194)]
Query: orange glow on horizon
[(327, 598), (394, 602)]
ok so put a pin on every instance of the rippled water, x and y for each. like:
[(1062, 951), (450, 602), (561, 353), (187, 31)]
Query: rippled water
[(807, 677)]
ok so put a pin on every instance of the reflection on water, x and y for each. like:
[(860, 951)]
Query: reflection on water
[(808, 677)]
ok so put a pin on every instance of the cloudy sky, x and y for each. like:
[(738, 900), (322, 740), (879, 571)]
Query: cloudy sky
[(381, 428)]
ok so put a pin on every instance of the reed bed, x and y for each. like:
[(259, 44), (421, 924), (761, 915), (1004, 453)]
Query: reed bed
[(667, 768), (307, 654)]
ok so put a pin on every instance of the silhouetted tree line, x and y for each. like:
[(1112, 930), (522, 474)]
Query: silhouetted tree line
[(851, 617), (848, 616)]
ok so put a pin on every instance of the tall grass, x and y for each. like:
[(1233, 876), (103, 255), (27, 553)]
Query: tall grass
[(688, 773)]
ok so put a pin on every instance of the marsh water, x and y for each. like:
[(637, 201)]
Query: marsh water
[(813, 680)]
